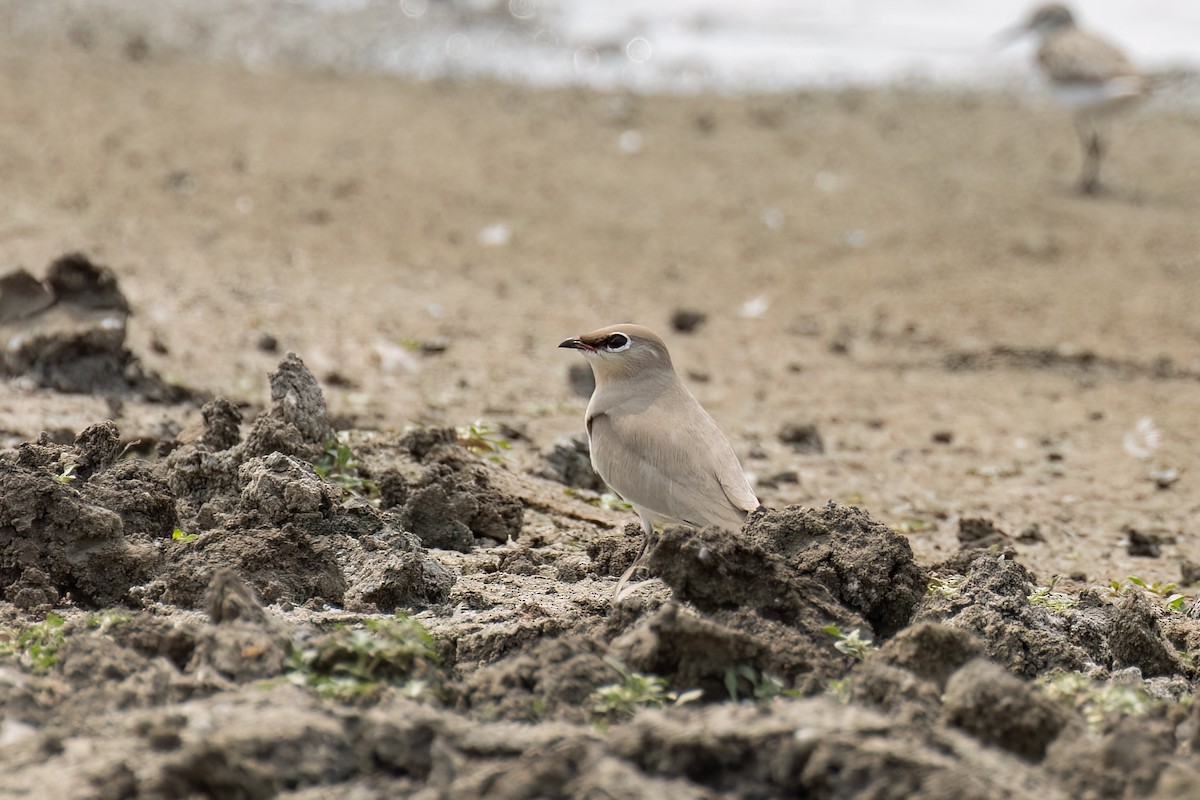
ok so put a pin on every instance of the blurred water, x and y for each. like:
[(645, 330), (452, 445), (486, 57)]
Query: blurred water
[(671, 45)]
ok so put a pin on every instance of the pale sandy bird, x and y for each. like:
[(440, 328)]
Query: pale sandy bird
[(652, 442), (1089, 77)]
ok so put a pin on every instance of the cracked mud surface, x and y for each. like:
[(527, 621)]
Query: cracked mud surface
[(942, 413)]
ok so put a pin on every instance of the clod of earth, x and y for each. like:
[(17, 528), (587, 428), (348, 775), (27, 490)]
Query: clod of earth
[(67, 333)]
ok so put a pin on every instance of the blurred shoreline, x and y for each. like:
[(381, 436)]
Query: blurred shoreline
[(678, 46)]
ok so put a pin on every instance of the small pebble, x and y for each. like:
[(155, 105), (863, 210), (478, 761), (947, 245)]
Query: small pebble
[(687, 321), (802, 438)]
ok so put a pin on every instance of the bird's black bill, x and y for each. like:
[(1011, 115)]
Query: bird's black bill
[(576, 344)]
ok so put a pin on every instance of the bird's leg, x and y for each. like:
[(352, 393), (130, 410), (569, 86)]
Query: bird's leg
[(1093, 151), (647, 531)]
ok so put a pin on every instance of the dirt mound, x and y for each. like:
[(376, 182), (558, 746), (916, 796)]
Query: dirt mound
[(241, 640), (58, 538), (107, 527), (1034, 631), (865, 565), (67, 333)]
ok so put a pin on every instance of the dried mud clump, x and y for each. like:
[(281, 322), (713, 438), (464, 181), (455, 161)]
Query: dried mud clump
[(992, 602), (67, 333), (139, 495), (996, 707), (815, 748), (447, 496), (240, 643), (865, 565), (298, 423), (390, 572), (262, 510), (1137, 758), (278, 489), (931, 651), (708, 651), (79, 523), (762, 602), (1136, 639), (283, 564), (58, 540), (569, 462), (554, 678)]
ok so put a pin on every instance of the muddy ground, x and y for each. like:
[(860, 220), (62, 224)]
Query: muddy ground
[(966, 395)]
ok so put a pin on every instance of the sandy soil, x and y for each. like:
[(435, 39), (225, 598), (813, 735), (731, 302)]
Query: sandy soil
[(969, 338), (343, 216)]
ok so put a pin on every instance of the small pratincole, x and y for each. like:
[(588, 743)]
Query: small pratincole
[(653, 443)]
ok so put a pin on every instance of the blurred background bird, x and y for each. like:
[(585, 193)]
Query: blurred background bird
[(1090, 77)]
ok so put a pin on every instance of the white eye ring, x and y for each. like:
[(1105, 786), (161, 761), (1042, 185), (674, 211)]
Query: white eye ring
[(617, 342)]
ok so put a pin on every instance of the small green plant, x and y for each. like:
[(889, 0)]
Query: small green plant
[(178, 535), (1171, 599), (104, 621), (550, 408), (852, 644), (995, 471), (913, 525), (620, 701), (762, 685), (1160, 588), (947, 587), (840, 689), (339, 466), (410, 344), (67, 476), (1098, 703), (1045, 596), (1175, 603), (608, 501), (613, 502), (482, 439), (36, 646), (352, 664)]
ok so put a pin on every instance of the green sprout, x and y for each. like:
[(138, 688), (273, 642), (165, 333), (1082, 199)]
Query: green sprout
[(620, 701), (1099, 704), (612, 502), (1171, 599), (352, 664), (178, 535), (994, 471), (852, 644), (67, 476), (339, 466), (912, 525), (840, 689), (482, 439), (103, 621), (608, 500), (1046, 597), (1175, 603), (36, 646), (763, 685), (947, 587), (409, 344)]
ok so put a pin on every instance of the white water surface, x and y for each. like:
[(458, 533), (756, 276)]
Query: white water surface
[(650, 45)]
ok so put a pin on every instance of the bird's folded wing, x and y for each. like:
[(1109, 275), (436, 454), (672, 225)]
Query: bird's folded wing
[(1075, 57), (692, 475), (737, 488)]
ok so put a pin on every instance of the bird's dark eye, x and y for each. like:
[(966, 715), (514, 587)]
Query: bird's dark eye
[(616, 342)]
